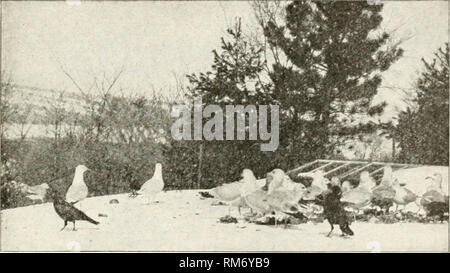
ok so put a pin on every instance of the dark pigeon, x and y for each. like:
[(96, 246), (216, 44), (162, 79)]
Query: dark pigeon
[(68, 212), (206, 194), (334, 210), (133, 182)]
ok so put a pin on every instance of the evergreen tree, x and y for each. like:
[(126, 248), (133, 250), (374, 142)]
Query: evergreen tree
[(234, 79), (424, 132), (334, 53)]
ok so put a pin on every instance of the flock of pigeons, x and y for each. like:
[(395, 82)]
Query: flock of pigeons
[(78, 191), (279, 195)]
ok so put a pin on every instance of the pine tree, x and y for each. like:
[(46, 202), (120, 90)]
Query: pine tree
[(334, 53), (234, 79), (424, 132)]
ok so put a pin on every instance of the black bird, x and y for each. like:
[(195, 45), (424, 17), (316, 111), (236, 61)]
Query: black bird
[(437, 209), (206, 194), (334, 210), (135, 186), (68, 212)]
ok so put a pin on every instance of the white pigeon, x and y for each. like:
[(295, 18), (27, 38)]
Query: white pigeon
[(275, 179), (78, 190), (284, 199), (360, 196), (368, 182), (228, 192), (319, 180), (258, 202), (254, 197), (335, 181), (288, 184), (346, 186), (37, 192), (387, 176), (234, 193), (153, 186), (434, 191), (250, 184), (318, 185)]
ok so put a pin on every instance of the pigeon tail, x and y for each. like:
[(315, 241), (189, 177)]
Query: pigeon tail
[(345, 228), (90, 220)]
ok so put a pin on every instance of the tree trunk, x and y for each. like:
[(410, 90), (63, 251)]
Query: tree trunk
[(393, 148), (200, 162)]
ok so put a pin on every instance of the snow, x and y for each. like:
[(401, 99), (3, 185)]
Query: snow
[(184, 222)]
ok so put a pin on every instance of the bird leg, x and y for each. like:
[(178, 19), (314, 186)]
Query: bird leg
[(149, 201), (65, 224), (331, 231), (74, 229)]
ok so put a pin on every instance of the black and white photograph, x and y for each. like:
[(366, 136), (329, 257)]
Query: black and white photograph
[(224, 126)]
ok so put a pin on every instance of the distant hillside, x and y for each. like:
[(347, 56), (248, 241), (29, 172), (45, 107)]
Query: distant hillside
[(37, 102)]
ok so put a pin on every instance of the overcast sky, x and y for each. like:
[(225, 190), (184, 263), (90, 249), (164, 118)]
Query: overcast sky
[(153, 41)]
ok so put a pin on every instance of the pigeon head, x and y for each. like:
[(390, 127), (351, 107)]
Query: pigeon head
[(434, 181), (158, 171), (335, 181), (81, 168), (300, 189), (438, 179), (276, 174), (249, 182), (247, 174), (366, 181), (346, 186), (429, 179), (395, 182), (364, 175)]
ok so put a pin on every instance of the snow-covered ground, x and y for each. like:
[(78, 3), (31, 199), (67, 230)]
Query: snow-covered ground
[(184, 222)]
